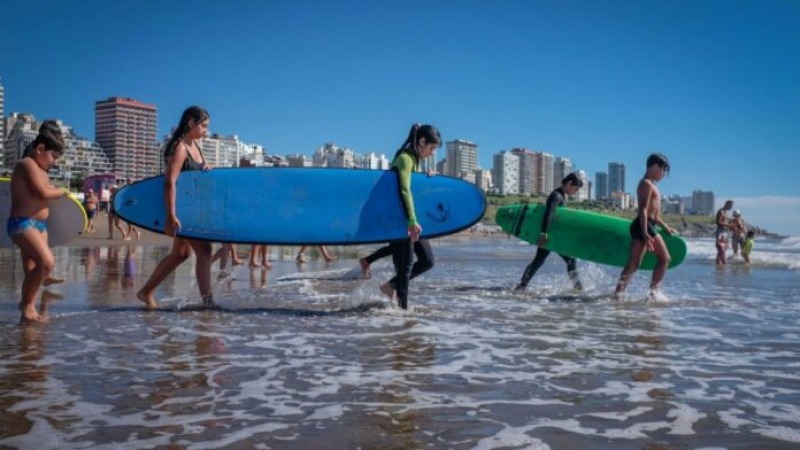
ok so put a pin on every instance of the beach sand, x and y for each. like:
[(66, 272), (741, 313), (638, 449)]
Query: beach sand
[(100, 236)]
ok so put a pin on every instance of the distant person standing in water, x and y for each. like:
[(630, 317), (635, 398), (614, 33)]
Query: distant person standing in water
[(747, 247), (421, 142), (643, 228), (721, 219), (722, 247), (569, 186), (182, 153), (738, 231)]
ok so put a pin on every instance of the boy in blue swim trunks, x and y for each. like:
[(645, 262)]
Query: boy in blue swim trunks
[(643, 228), (30, 192)]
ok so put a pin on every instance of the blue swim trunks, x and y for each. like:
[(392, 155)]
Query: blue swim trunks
[(17, 225)]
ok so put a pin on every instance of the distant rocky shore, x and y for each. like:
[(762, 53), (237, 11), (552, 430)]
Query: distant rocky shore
[(707, 230)]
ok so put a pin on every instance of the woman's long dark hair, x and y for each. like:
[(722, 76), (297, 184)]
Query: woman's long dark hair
[(417, 132), (191, 116)]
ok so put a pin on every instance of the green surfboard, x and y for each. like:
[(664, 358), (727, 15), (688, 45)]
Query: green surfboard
[(584, 235)]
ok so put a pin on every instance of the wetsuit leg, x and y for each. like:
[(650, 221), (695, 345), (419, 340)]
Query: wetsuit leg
[(402, 257), (379, 254), (530, 271), (424, 252), (572, 270)]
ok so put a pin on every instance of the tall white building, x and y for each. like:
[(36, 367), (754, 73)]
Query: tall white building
[(505, 173), (224, 151), (372, 161), (561, 167), (703, 202), (329, 155), (585, 192), (461, 158), (299, 161), (543, 174)]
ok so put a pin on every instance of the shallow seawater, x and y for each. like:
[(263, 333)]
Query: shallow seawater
[(312, 356)]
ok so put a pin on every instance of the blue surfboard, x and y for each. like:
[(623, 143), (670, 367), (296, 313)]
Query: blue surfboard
[(292, 206)]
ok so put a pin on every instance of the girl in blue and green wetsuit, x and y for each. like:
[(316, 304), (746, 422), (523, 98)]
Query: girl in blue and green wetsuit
[(421, 142)]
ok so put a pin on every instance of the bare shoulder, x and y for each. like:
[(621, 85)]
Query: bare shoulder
[(645, 186), (24, 168)]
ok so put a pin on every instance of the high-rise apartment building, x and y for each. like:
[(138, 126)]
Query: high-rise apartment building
[(461, 158), (584, 193), (616, 177), (126, 129), (703, 202), (527, 163), (543, 174), (561, 168), (601, 185), (505, 173)]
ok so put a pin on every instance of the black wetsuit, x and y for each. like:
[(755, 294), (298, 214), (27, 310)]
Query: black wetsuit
[(556, 199), (401, 250)]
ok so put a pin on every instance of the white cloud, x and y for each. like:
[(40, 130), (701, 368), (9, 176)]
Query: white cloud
[(774, 213)]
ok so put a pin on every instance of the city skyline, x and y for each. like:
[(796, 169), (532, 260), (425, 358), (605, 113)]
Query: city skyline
[(712, 84)]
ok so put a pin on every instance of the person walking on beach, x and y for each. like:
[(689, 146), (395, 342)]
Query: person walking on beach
[(182, 153), (642, 229), (90, 204), (30, 192), (263, 251), (569, 186), (105, 198), (113, 220), (421, 142)]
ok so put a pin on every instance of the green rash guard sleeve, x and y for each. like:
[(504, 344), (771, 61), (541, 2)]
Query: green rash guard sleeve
[(404, 165)]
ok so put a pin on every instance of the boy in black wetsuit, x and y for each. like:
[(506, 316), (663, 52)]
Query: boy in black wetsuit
[(569, 186)]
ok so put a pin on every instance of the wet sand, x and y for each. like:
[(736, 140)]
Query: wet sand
[(100, 236)]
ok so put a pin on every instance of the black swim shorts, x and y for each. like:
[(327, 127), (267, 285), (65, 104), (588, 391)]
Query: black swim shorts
[(636, 229)]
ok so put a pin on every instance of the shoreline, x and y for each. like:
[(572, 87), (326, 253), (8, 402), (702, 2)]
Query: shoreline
[(150, 238)]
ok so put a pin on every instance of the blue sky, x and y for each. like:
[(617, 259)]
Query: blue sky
[(712, 84)]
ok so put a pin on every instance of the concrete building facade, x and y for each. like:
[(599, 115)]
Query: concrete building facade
[(126, 129)]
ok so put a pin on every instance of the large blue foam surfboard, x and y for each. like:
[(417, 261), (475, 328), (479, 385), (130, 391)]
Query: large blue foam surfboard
[(288, 206), (66, 221)]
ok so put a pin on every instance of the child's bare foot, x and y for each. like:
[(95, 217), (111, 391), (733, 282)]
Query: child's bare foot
[(147, 299), (254, 265), (329, 259), (51, 280), (138, 234), (300, 259), (30, 316), (365, 268), (237, 262), (267, 265), (388, 290)]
